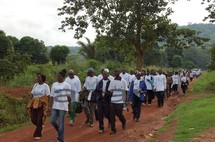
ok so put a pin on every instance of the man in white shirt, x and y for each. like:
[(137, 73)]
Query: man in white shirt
[(125, 76), (75, 84), (149, 80), (89, 88), (160, 87), (119, 89), (175, 82)]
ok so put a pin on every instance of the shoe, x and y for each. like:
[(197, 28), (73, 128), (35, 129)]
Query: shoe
[(91, 125), (124, 127), (149, 104), (125, 108), (37, 138), (86, 122), (71, 123), (112, 132), (101, 131), (137, 120), (143, 104), (109, 125)]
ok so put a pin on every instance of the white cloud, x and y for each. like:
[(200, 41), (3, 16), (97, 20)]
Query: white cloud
[(38, 18)]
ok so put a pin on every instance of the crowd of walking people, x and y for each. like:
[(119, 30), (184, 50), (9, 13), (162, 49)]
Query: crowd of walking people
[(102, 96)]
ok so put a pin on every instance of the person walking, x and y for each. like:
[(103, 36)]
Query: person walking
[(75, 84), (138, 89), (119, 89), (39, 105), (184, 83), (60, 102), (159, 87), (89, 88), (104, 97), (149, 80), (175, 82)]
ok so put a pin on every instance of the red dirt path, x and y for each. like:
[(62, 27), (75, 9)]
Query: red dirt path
[(152, 118)]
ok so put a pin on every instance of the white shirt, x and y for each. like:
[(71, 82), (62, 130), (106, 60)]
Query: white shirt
[(160, 83), (132, 78), (184, 79), (148, 84), (119, 88), (58, 90), (75, 86), (104, 87), (175, 79), (137, 87), (90, 83), (126, 77), (40, 90)]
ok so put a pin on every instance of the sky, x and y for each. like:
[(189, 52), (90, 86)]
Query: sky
[(39, 19)]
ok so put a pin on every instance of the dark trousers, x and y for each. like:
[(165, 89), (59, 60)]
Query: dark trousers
[(160, 98), (36, 119), (136, 106), (116, 110), (89, 109), (184, 88), (103, 111), (149, 96)]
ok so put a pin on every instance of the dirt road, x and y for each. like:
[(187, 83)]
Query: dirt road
[(152, 118)]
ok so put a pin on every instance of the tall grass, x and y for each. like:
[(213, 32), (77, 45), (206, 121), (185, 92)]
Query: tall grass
[(205, 83)]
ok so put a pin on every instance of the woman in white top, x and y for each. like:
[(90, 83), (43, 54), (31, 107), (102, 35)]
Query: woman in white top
[(39, 93), (184, 83), (60, 101)]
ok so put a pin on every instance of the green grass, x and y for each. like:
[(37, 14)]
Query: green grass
[(13, 127), (193, 118), (206, 83)]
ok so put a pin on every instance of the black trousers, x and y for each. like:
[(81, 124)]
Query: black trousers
[(136, 106), (36, 119), (184, 87), (160, 98), (103, 111), (149, 96), (116, 110)]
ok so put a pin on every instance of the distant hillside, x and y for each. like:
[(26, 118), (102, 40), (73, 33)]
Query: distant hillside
[(206, 30)]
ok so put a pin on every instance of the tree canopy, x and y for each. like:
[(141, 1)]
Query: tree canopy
[(59, 53)]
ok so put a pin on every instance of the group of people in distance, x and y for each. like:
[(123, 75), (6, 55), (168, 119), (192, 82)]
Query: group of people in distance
[(103, 96)]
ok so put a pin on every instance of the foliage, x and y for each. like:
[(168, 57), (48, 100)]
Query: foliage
[(211, 65), (176, 61), (87, 50), (211, 9), (5, 45), (12, 111), (59, 53), (188, 65), (34, 48), (204, 83)]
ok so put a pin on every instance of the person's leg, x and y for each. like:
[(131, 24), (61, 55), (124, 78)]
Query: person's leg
[(112, 117), (91, 114), (54, 116), (107, 112), (73, 114), (38, 131), (162, 98), (86, 111), (134, 106), (149, 92), (61, 125), (33, 116), (101, 115), (119, 114), (138, 109), (158, 98)]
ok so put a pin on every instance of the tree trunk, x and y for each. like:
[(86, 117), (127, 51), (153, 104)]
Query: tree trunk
[(139, 64)]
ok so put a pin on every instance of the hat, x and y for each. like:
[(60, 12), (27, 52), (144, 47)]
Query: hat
[(106, 70), (90, 70)]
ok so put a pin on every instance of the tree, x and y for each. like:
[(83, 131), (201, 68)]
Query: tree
[(5, 45), (15, 42), (176, 61), (188, 65), (34, 48), (59, 53), (211, 65), (211, 9), (88, 50), (138, 22)]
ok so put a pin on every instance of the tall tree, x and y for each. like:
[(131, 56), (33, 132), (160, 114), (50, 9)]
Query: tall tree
[(88, 49), (211, 9), (5, 45), (59, 53), (34, 48), (211, 65), (140, 22)]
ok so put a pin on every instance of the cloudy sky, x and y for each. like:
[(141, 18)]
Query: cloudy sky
[(38, 18)]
